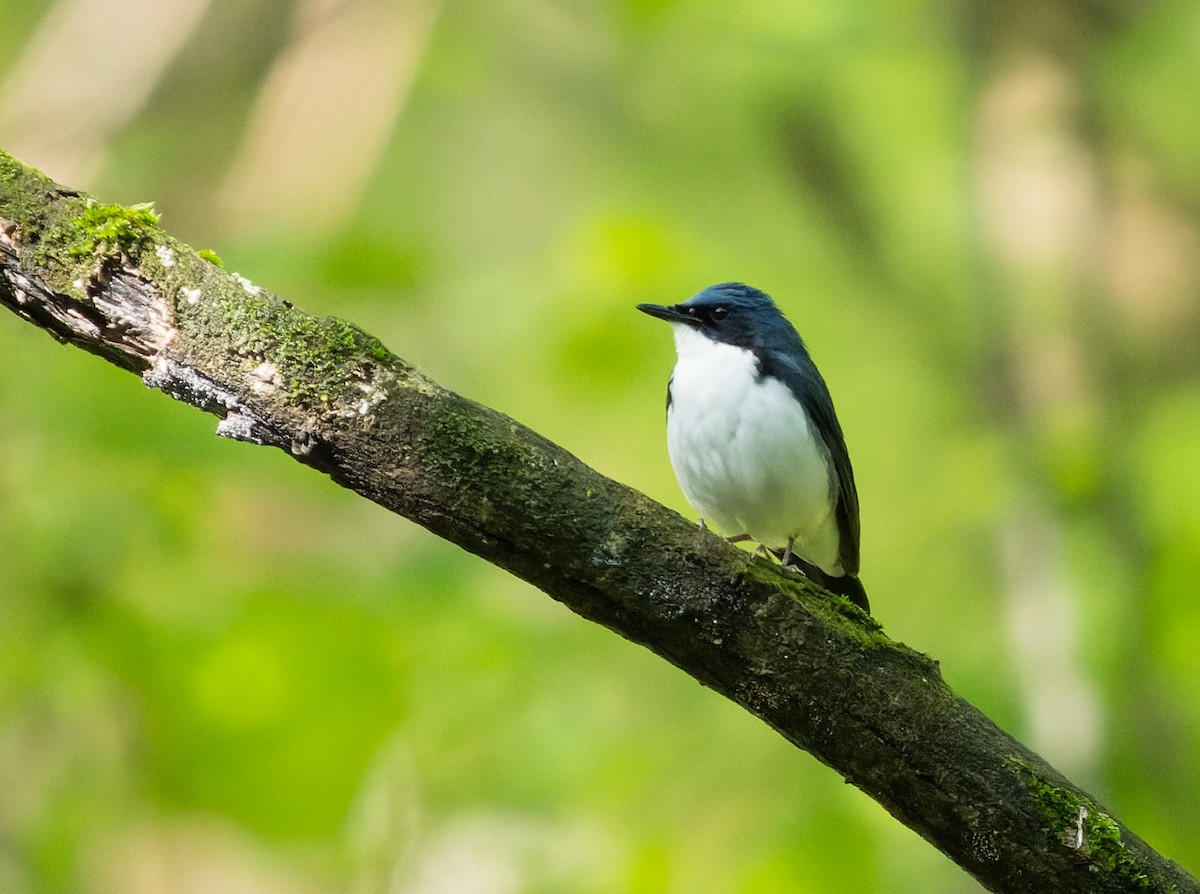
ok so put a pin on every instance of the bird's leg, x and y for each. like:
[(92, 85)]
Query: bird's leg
[(738, 538), (793, 564), (787, 553), (700, 524)]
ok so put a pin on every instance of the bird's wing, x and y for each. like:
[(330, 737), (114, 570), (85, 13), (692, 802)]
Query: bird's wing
[(801, 376)]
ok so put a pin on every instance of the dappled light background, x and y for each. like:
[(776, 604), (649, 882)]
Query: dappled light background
[(220, 672)]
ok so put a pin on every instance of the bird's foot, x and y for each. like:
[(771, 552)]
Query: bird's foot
[(700, 523), (796, 569), (762, 552), (790, 563)]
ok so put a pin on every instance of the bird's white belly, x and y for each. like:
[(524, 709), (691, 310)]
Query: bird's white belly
[(746, 456)]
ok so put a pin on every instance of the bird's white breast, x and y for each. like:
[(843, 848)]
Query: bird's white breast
[(745, 453)]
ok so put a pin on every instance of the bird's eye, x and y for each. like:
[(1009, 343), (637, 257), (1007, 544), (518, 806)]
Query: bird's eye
[(720, 313)]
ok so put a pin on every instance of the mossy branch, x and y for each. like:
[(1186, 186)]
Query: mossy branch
[(109, 280)]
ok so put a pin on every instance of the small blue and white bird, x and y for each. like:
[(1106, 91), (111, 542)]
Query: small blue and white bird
[(753, 436)]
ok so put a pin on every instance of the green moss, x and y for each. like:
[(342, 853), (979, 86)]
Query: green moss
[(459, 447), (72, 238), (1062, 809), (75, 241), (24, 193), (211, 256), (835, 608), (102, 229), (83, 239), (64, 227), (314, 357)]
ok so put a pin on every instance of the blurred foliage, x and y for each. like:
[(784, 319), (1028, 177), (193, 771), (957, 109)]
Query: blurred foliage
[(220, 672)]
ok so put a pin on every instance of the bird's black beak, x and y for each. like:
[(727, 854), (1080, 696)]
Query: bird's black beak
[(670, 313)]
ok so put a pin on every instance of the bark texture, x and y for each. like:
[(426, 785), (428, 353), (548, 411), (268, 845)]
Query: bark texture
[(109, 280)]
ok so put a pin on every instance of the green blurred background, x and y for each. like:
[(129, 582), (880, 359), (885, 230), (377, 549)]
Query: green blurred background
[(220, 672)]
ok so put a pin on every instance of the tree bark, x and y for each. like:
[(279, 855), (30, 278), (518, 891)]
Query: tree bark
[(109, 280)]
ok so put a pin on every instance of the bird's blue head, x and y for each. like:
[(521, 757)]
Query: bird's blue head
[(732, 313)]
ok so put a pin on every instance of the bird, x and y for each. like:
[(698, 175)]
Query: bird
[(753, 436)]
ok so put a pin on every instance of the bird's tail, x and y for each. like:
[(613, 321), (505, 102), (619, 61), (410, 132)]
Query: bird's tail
[(847, 585), (851, 587)]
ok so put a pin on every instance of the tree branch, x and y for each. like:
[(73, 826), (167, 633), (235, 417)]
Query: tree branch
[(109, 280)]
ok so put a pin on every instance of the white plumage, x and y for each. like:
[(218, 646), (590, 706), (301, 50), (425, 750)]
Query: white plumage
[(745, 453)]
